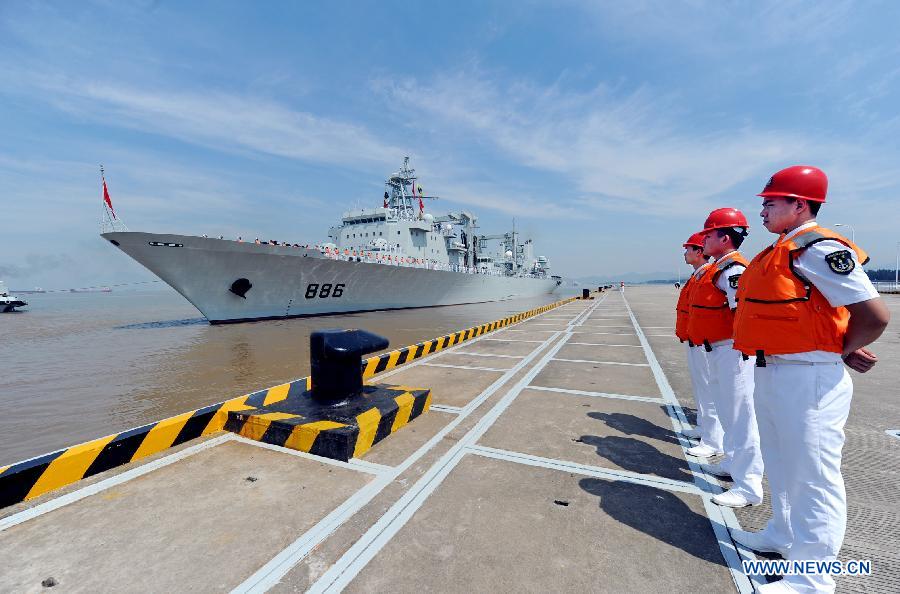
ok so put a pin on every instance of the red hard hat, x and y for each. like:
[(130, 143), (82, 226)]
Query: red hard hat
[(695, 240), (725, 218), (799, 181)]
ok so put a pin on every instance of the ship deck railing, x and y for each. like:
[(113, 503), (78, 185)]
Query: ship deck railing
[(395, 259)]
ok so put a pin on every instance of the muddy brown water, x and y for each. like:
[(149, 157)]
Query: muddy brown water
[(74, 367)]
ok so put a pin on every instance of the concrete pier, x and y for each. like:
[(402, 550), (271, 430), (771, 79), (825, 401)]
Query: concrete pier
[(549, 461)]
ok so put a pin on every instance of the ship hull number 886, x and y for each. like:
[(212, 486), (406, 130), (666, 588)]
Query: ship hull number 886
[(324, 291)]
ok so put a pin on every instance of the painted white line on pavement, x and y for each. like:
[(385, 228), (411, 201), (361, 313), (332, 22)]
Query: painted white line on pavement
[(630, 346), (470, 367), (490, 355), (599, 394), (603, 362), (611, 474)]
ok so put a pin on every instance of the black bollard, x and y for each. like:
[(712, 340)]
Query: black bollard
[(336, 360), (585, 293)]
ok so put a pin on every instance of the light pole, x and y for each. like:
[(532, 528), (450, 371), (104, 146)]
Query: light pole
[(897, 269), (852, 231)]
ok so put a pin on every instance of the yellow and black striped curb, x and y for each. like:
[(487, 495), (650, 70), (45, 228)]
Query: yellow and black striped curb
[(31, 478), (301, 423), (379, 363)]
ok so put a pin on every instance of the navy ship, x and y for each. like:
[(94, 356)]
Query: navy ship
[(393, 256)]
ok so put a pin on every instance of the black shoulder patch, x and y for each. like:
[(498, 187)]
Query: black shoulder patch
[(841, 262), (733, 280)]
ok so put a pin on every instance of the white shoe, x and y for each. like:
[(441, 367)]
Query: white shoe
[(759, 542), (702, 451), (779, 587), (715, 470), (691, 433), (735, 498)]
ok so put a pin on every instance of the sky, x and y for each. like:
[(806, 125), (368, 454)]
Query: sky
[(608, 130)]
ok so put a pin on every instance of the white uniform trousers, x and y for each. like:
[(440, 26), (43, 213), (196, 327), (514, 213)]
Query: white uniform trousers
[(731, 383), (707, 419), (801, 411)]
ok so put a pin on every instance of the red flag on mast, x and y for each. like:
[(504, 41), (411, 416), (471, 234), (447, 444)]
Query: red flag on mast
[(419, 196), (107, 200)]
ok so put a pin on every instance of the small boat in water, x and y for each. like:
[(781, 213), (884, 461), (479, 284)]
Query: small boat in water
[(9, 302)]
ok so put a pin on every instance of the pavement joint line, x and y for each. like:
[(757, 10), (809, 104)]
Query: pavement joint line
[(100, 486), (630, 346), (470, 367), (378, 535), (722, 519), (595, 471), (490, 355), (271, 572), (512, 340), (607, 333), (603, 362), (446, 409), (374, 466), (649, 399), (529, 330), (352, 465)]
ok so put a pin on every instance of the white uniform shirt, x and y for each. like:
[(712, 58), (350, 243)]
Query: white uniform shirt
[(838, 289), (724, 281), (724, 284)]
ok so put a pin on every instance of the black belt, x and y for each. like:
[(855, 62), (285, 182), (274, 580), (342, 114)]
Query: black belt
[(707, 346)]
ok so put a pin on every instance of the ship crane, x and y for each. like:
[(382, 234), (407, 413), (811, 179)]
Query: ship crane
[(510, 244)]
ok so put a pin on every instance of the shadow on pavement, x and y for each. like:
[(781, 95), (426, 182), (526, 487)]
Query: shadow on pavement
[(657, 513), (634, 425), (636, 456)]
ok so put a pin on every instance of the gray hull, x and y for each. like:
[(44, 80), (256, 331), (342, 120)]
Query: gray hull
[(291, 282)]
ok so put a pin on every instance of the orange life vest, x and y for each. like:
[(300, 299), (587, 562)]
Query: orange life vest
[(682, 309), (711, 319), (780, 312)]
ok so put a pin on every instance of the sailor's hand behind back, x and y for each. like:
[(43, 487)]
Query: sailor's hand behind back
[(861, 360)]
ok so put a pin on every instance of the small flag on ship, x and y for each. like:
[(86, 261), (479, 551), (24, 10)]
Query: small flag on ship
[(106, 198)]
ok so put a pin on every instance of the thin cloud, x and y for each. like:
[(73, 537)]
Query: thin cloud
[(617, 151), (217, 120)]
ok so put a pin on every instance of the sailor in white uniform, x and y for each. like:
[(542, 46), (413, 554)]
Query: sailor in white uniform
[(805, 308)]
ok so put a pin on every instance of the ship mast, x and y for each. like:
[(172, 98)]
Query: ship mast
[(403, 195)]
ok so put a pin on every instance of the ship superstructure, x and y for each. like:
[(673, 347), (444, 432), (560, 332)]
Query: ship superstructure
[(393, 256), (402, 229)]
